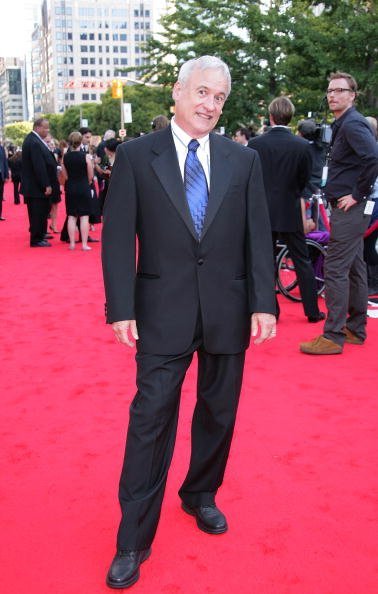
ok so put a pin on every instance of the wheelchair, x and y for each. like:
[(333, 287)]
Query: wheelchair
[(317, 241)]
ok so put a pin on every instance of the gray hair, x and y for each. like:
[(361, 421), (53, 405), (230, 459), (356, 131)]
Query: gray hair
[(109, 134), (204, 63)]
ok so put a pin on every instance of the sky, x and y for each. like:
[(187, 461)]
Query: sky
[(16, 25)]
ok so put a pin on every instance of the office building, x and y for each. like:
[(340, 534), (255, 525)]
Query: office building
[(13, 99), (79, 46)]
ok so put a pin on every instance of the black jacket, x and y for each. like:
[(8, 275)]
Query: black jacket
[(39, 168), (224, 277), (286, 163)]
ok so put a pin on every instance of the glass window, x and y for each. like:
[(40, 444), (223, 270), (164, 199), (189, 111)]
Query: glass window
[(115, 36), (86, 12), (92, 72), (123, 61), (123, 49), (91, 36), (115, 49), (115, 61), (85, 96), (93, 96), (123, 37), (83, 36), (92, 48), (83, 48), (92, 60), (119, 12), (70, 73), (84, 73), (84, 60)]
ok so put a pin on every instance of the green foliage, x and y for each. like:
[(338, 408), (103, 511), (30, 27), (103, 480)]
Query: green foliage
[(146, 103), (275, 47), (16, 132)]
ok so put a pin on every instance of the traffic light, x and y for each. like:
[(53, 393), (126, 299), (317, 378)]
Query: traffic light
[(117, 90)]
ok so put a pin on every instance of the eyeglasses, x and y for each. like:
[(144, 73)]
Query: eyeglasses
[(337, 91)]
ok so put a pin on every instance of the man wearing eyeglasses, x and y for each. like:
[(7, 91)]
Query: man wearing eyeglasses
[(350, 171)]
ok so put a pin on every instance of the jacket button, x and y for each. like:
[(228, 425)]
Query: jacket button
[(200, 262)]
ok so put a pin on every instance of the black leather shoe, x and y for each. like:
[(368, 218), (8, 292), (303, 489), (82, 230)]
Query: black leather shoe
[(318, 318), (40, 244), (47, 236), (2, 219), (91, 240), (124, 570), (209, 518)]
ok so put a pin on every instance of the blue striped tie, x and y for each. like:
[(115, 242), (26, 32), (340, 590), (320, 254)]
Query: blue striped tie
[(195, 187)]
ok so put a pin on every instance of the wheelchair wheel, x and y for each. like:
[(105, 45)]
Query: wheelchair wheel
[(287, 282), (371, 248)]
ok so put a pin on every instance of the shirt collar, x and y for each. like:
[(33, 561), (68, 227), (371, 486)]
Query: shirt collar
[(184, 138)]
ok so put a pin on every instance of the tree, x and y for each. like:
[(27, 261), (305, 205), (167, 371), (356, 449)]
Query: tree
[(17, 132), (272, 47)]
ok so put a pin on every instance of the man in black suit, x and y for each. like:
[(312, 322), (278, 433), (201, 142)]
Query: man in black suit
[(39, 181), (4, 174), (287, 164), (205, 272)]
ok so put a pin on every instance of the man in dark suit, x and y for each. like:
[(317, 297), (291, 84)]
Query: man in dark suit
[(196, 203), (287, 164), (4, 173), (39, 181)]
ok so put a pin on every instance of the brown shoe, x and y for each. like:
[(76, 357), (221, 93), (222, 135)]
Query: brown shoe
[(351, 337), (320, 346)]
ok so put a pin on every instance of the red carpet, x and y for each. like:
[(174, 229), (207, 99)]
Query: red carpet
[(301, 488)]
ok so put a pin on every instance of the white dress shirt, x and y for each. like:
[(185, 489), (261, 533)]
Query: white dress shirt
[(181, 140)]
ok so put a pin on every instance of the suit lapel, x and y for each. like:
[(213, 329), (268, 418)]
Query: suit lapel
[(167, 168), (220, 177)]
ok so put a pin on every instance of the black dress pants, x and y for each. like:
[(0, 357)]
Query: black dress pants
[(296, 243), (152, 432), (38, 211)]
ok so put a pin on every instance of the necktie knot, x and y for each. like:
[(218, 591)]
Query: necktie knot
[(193, 145)]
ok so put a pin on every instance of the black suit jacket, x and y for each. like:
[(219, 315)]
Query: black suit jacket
[(286, 163), (224, 277), (39, 168)]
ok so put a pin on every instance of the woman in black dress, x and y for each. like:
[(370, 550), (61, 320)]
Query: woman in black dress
[(78, 169)]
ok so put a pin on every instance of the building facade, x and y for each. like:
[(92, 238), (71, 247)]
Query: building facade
[(79, 46), (13, 97)]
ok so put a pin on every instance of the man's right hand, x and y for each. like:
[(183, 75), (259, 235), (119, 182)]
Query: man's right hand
[(122, 329), (48, 191)]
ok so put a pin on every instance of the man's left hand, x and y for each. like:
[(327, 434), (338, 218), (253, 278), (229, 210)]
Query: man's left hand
[(346, 202), (266, 323)]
